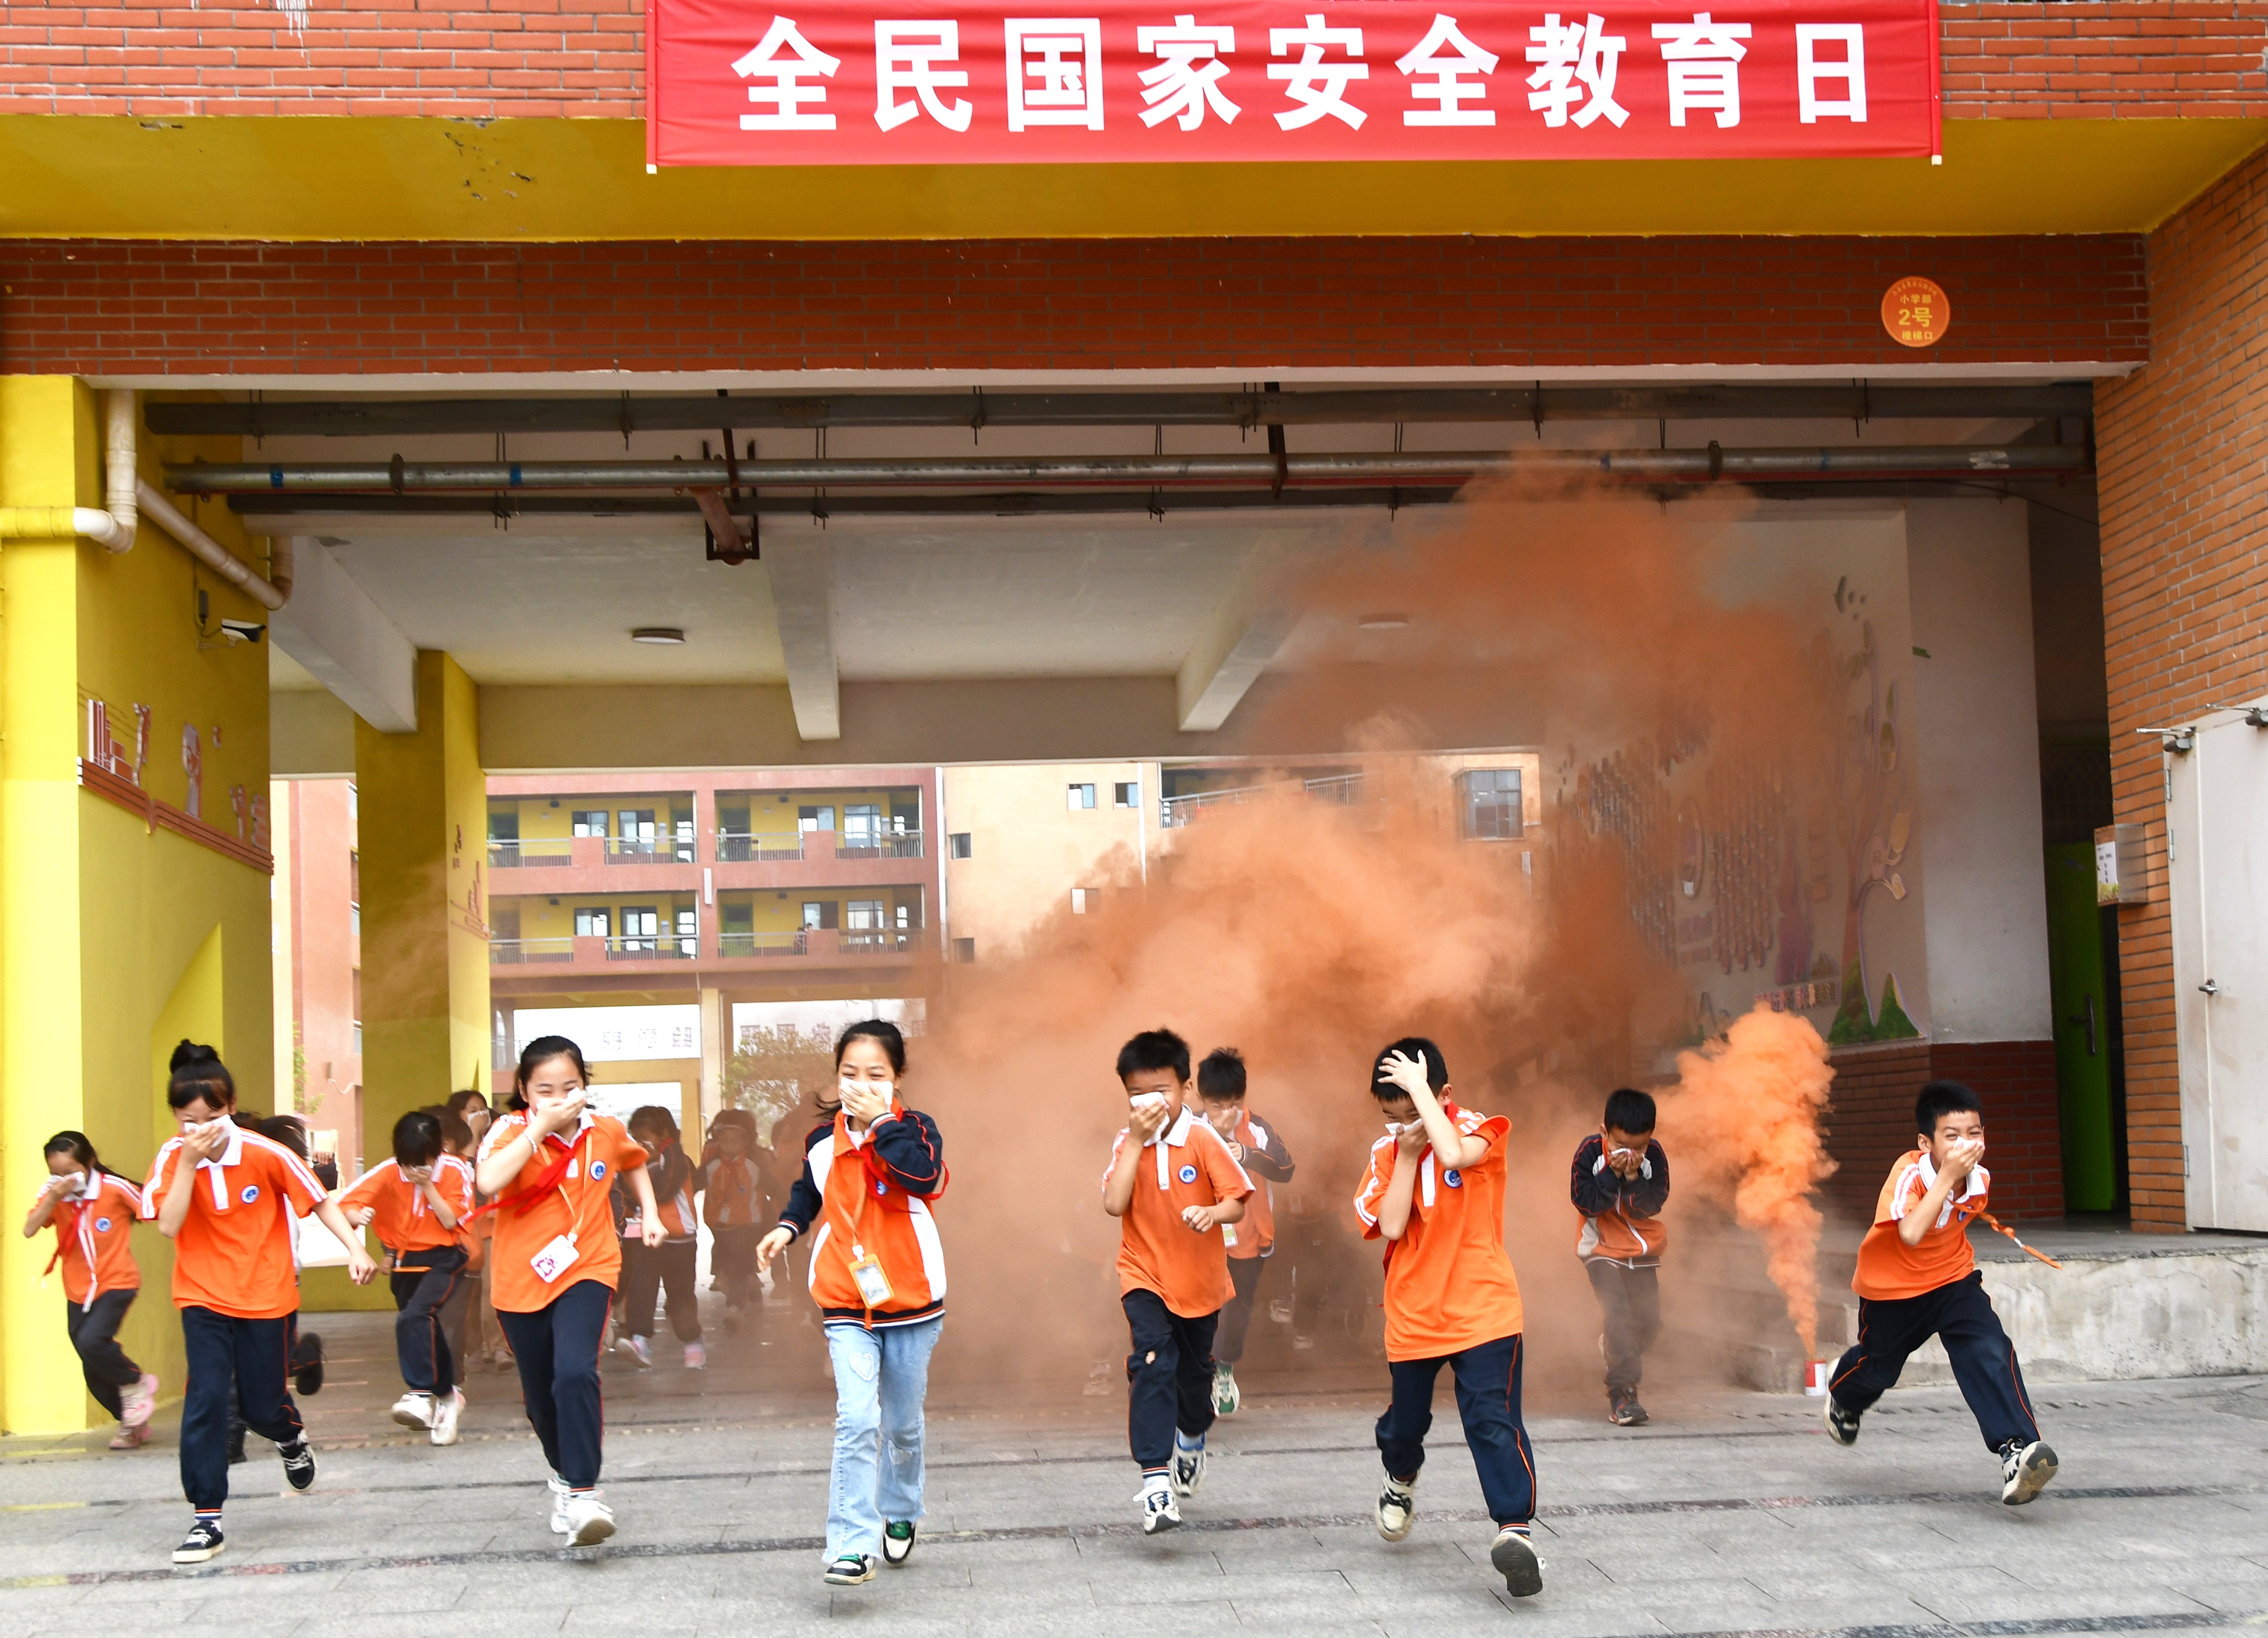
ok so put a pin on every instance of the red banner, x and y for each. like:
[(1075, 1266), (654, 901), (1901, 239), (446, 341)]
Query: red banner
[(855, 81)]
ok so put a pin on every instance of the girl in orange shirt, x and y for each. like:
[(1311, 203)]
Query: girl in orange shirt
[(93, 1210), (550, 1165)]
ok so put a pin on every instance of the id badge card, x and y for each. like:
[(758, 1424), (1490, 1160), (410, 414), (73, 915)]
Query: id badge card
[(1228, 1234), (555, 1259), (866, 1273)]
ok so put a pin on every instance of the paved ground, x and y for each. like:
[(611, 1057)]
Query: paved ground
[(1731, 1514)]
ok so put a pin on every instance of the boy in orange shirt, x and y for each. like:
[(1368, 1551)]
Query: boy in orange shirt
[(1917, 1278), (1171, 1189), (1261, 1152), (1435, 1194), (418, 1200)]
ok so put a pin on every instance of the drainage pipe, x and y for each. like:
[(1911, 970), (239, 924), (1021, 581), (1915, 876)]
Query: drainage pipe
[(111, 525), (212, 554), (1710, 463)]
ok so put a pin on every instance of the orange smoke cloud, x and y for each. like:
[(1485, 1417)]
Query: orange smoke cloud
[(1743, 1121)]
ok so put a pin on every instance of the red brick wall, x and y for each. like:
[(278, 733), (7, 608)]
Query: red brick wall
[(93, 308), (2183, 491), (1871, 1120), (578, 58)]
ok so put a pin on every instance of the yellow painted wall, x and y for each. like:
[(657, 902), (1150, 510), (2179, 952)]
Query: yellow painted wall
[(424, 881), (115, 940), (1028, 848)]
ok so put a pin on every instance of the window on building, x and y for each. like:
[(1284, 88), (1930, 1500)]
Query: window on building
[(1086, 901), (354, 995), (959, 843), (593, 924), (688, 932), (866, 916), (736, 918), (637, 824), (1127, 793), (354, 893), (815, 819), (641, 926), (820, 913), (1491, 803), (590, 821), (862, 825), (964, 949), (503, 824), (1081, 796)]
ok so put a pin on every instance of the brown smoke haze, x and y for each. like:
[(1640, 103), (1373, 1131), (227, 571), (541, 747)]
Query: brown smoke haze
[(1309, 934)]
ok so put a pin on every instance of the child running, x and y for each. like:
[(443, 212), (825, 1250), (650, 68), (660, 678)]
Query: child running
[(731, 1201), (418, 1202), (549, 1165), (224, 1196), (648, 1270), (1435, 1193), (1170, 1189), (878, 1275), (1620, 1181), (1251, 1241), (1917, 1278), (93, 1210)]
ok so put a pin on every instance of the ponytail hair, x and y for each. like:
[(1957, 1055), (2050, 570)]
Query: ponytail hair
[(198, 1073), (76, 1145)]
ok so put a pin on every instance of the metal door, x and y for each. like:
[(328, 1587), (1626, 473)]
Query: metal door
[(2082, 1030), (2217, 833)]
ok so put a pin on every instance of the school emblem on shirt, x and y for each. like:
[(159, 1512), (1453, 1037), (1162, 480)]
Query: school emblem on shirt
[(1454, 1177), (597, 1170), (880, 1188), (1188, 1174), (251, 1192), (102, 1225)]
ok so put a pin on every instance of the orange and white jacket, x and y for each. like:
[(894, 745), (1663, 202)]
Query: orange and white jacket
[(1621, 1218), (870, 1193)]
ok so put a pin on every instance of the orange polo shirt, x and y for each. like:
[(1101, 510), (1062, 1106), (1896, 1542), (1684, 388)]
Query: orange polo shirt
[(403, 1220), (733, 1192), (234, 1253), (1256, 1236), (1450, 1285), (1189, 1165), (578, 1204), (93, 1237), (1889, 1268)]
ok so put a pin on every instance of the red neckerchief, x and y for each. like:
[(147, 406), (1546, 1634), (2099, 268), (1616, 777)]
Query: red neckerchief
[(543, 1183), (78, 1211)]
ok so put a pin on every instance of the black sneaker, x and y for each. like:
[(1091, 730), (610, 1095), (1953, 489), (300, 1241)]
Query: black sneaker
[(307, 1363), (299, 1463), (1842, 1425), (897, 1541), (203, 1542), (1624, 1410), (2025, 1470)]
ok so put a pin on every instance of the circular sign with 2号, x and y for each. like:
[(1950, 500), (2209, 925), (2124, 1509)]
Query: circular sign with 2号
[(1916, 312)]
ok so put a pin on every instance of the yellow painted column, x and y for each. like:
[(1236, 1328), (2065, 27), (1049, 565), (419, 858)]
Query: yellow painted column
[(423, 803), (116, 938)]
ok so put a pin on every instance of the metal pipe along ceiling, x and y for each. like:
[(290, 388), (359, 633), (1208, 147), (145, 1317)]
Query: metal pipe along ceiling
[(623, 415), (1713, 463)]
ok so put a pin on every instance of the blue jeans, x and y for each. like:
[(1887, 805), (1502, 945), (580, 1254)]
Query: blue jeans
[(880, 1380)]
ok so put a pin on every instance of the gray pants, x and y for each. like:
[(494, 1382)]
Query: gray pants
[(93, 1331), (1629, 1302)]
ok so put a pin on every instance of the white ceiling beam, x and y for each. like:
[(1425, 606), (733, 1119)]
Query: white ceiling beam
[(803, 600), (1238, 639), (332, 629)]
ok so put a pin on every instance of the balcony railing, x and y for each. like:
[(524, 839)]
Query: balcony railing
[(513, 951), (736, 946), (874, 940), (885, 845), (506, 855), (735, 847), (649, 850), (1339, 789), (653, 947)]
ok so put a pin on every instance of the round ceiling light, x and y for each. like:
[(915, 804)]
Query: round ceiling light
[(659, 634), (1382, 622)]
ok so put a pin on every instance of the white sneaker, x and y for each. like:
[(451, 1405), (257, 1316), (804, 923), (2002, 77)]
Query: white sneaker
[(1397, 1505), (1160, 1511), (1514, 1554), (637, 1348), (1189, 1469), (446, 1412), (2025, 1470), (697, 1357), (1226, 1396), (414, 1410), (589, 1520), (139, 1402), (559, 1494)]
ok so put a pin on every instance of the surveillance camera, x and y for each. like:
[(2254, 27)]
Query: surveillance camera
[(240, 631)]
